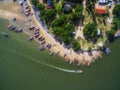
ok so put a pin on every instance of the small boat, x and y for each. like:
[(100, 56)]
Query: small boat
[(9, 26), (37, 28), (31, 28), (42, 48), (51, 53), (36, 32), (43, 42), (4, 34), (70, 62), (30, 38), (78, 64), (48, 46), (20, 30), (65, 55), (40, 38), (36, 35), (79, 71)]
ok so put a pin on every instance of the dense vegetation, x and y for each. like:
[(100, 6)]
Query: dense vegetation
[(62, 21), (116, 19), (90, 31), (116, 23)]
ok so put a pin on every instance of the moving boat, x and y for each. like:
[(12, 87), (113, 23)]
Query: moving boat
[(79, 71)]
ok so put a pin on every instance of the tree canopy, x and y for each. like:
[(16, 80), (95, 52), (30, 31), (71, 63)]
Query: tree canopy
[(111, 35), (111, 32), (78, 8), (76, 45), (90, 31), (116, 9), (59, 21), (40, 6), (116, 23), (48, 15), (61, 33), (34, 2)]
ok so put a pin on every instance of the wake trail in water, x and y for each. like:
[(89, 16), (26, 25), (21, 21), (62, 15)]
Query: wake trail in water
[(52, 66), (55, 67), (62, 69)]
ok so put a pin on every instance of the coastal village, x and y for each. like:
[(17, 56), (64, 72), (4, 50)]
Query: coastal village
[(77, 30)]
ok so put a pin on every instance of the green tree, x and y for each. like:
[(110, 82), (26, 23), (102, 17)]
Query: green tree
[(69, 27), (40, 6), (78, 8), (59, 21), (90, 31), (48, 15), (111, 35), (63, 34), (111, 32), (34, 2), (89, 49), (77, 16), (58, 31), (116, 23), (116, 9), (76, 45)]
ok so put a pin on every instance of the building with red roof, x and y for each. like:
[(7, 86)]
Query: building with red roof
[(100, 9)]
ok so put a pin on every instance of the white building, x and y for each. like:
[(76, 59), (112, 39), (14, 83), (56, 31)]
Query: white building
[(103, 1)]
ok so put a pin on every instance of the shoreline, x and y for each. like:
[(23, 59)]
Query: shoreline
[(83, 58), (70, 53)]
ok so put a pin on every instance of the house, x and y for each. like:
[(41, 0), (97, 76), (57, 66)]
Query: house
[(100, 9), (103, 1), (117, 33), (49, 4)]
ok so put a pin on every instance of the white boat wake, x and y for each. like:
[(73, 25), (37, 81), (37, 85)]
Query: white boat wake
[(55, 67), (61, 69), (52, 66)]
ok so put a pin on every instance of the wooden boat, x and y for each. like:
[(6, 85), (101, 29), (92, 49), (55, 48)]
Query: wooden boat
[(51, 53), (42, 48), (36, 35), (30, 38), (42, 42), (40, 38), (4, 34), (70, 62)]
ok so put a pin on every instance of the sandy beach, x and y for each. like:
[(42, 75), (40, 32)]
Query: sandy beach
[(83, 58)]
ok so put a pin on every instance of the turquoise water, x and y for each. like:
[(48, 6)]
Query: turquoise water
[(20, 67)]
